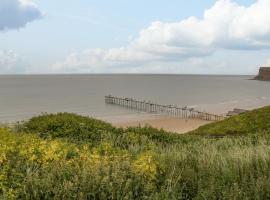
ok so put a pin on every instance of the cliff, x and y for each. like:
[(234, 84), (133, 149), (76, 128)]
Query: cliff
[(264, 74)]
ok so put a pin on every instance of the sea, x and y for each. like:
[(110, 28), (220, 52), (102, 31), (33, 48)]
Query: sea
[(24, 96)]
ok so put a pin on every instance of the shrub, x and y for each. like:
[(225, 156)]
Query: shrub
[(67, 125), (59, 158)]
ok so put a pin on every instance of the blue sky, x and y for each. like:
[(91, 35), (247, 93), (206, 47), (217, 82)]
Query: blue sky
[(68, 35)]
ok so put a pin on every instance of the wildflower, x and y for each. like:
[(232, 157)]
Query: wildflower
[(146, 166)]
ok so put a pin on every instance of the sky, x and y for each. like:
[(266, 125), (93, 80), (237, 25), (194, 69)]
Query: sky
[(124, 36)]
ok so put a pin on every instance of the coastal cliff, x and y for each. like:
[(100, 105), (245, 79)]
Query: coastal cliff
[(264, 74)]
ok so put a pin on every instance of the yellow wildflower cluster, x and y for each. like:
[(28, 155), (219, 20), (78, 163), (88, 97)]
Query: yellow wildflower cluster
[(7, 144), (33, 148), (43, 152), (104, 162), (146, 166), (3, 157), (30, 150), (106, 155)]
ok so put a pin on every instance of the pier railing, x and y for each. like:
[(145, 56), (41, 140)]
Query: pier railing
[(150, 107)]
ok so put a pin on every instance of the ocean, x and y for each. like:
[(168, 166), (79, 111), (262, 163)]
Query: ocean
[(24, 96)]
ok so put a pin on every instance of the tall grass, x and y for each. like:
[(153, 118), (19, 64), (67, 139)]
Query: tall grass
[(250, 122), (136, 163)]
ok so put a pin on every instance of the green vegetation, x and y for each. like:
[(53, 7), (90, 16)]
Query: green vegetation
[(247, 123), (66, 156), (66, 125)]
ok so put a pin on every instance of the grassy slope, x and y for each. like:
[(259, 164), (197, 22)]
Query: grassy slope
[(247, 123), (66, 156)]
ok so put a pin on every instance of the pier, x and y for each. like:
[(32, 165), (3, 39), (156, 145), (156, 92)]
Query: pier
[(169, 110)]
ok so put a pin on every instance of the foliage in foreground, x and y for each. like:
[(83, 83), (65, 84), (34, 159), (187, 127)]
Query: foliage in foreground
[(44, 162), (67, 125)]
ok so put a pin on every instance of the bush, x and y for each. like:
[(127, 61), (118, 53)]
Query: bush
[(84, 129), (67, 125), (61, 158)]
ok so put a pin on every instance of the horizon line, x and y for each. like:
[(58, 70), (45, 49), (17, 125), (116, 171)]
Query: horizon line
[(177, 74)]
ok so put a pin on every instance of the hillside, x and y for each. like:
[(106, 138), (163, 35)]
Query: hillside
[(246, 123), (264, 74), (67, 156)]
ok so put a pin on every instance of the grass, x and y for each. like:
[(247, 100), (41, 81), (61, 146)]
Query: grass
[(247, 123), (66, 156)]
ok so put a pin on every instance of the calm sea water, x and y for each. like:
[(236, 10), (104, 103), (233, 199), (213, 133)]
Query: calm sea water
[(24, 96)]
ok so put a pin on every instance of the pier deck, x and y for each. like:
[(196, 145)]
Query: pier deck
[(150, 107)]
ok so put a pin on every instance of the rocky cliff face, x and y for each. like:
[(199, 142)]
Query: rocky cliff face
[(264, 74)]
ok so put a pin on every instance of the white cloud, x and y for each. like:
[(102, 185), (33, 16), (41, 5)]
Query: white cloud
[(267, 63), (8, 61), (15, 14), (226, 25), (11, 63)]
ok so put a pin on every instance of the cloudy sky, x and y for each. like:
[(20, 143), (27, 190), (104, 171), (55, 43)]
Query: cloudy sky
[(124, 36)]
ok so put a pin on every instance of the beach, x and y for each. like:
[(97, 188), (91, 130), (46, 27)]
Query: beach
[(177, 125), (167, 123)]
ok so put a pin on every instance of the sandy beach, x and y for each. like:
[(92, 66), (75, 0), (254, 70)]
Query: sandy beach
[(171, 124)]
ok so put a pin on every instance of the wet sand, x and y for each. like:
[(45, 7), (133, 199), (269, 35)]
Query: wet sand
[(170, 124)]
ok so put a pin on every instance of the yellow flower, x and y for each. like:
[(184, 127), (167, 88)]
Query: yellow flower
[(33, 158), (145, 165), (3, 158)]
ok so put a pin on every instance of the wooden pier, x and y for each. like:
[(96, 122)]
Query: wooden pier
[(150, 107)]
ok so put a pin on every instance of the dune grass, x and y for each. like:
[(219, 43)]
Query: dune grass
[(66, 156), (246, 123)]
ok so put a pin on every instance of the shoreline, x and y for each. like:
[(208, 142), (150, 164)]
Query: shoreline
[(170, 124), (167, 123), (159, 121)]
